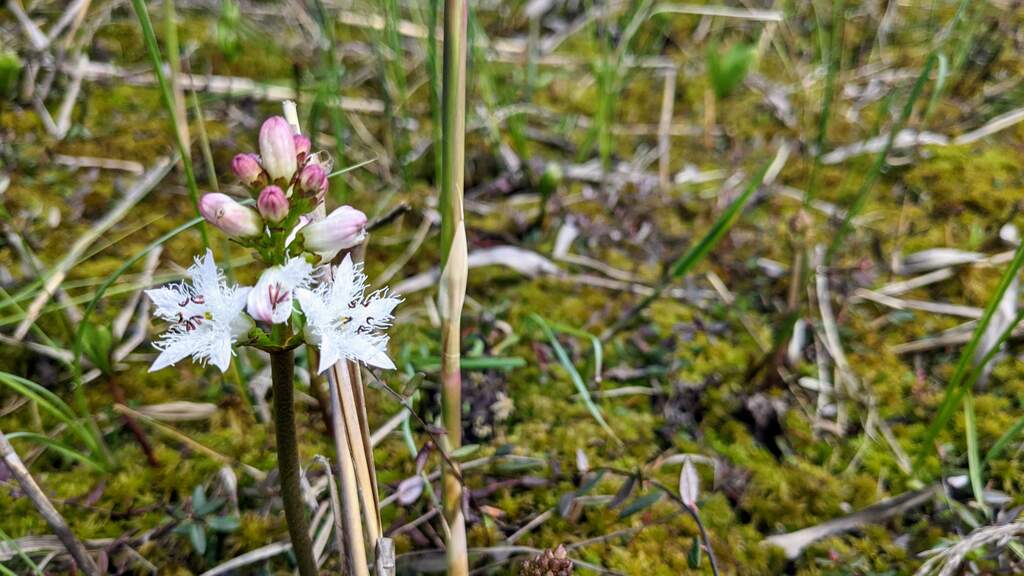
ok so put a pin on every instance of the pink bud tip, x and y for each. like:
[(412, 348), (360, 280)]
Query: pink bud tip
[(247, 168), (231, 217), (277, 148), (272, 204), (312, 179), (302, 146)]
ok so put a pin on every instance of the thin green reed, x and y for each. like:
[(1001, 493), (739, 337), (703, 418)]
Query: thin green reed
[(169, 105), (830, 46), (434, 66), (880, 160), (395, 90), (329, 95), (694, 255), (958, 385), (487, 86)]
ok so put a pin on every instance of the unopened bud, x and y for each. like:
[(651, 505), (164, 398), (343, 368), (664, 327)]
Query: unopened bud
[(277, 148), (312, 179), (231, 217), (247, 168), (343, 228), (272, 204)]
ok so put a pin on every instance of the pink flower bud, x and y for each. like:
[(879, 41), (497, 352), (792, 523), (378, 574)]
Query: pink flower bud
[(272, 204), (343, 228), (312, 179), (225, 213), (277, 148), (302, 146), (247, 168)]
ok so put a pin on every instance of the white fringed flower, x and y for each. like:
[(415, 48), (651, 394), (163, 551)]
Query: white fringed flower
[(344, 323), (271, 299), (207, 317)]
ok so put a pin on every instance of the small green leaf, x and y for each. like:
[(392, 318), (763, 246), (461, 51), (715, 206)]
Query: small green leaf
[(693, 557), (624, 491), (641, 503), (97, 343), (223, 523), (463, 451), (10, 69), (197, 535), (565, 503), (198, 499), (590, 483), (208, 507), (727, 70)]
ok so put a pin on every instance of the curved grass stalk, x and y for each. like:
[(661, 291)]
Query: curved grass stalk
[(958, 385), (76, 363), (56, 407), (695, 255), (59, 447), (574, 375), (169, 104)]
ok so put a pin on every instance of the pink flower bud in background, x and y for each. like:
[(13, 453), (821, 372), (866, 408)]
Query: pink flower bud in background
[(312, 179), (277, 148), (302, 146), (343, 228), (272, 204), (247, 168), (231, 217)]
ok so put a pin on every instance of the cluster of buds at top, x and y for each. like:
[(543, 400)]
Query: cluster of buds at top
[(288, 181), (285, 161)]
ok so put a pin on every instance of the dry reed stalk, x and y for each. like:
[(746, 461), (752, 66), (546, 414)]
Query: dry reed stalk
[(454, 254), (356, 549)]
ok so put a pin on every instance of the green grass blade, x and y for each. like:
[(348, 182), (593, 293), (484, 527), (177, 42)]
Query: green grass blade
[(76, 365), (574, 375), (725, 221), (433, 363), (1003, 442), (942, 75), (831, 49), (113, 278), (696, 254), (168, 100), (59, 447), (21, 554), (40, 395), (880, 160), (973, 453), (876, 168), (956, 389), (595, 342), (52, 404)]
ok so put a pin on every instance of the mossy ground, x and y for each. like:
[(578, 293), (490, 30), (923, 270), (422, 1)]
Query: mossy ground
[(698, 358)]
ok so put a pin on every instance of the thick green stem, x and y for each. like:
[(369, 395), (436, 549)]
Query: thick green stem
[(282, 371)]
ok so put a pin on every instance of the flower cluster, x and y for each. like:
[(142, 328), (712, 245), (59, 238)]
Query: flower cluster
[(208, 317)]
